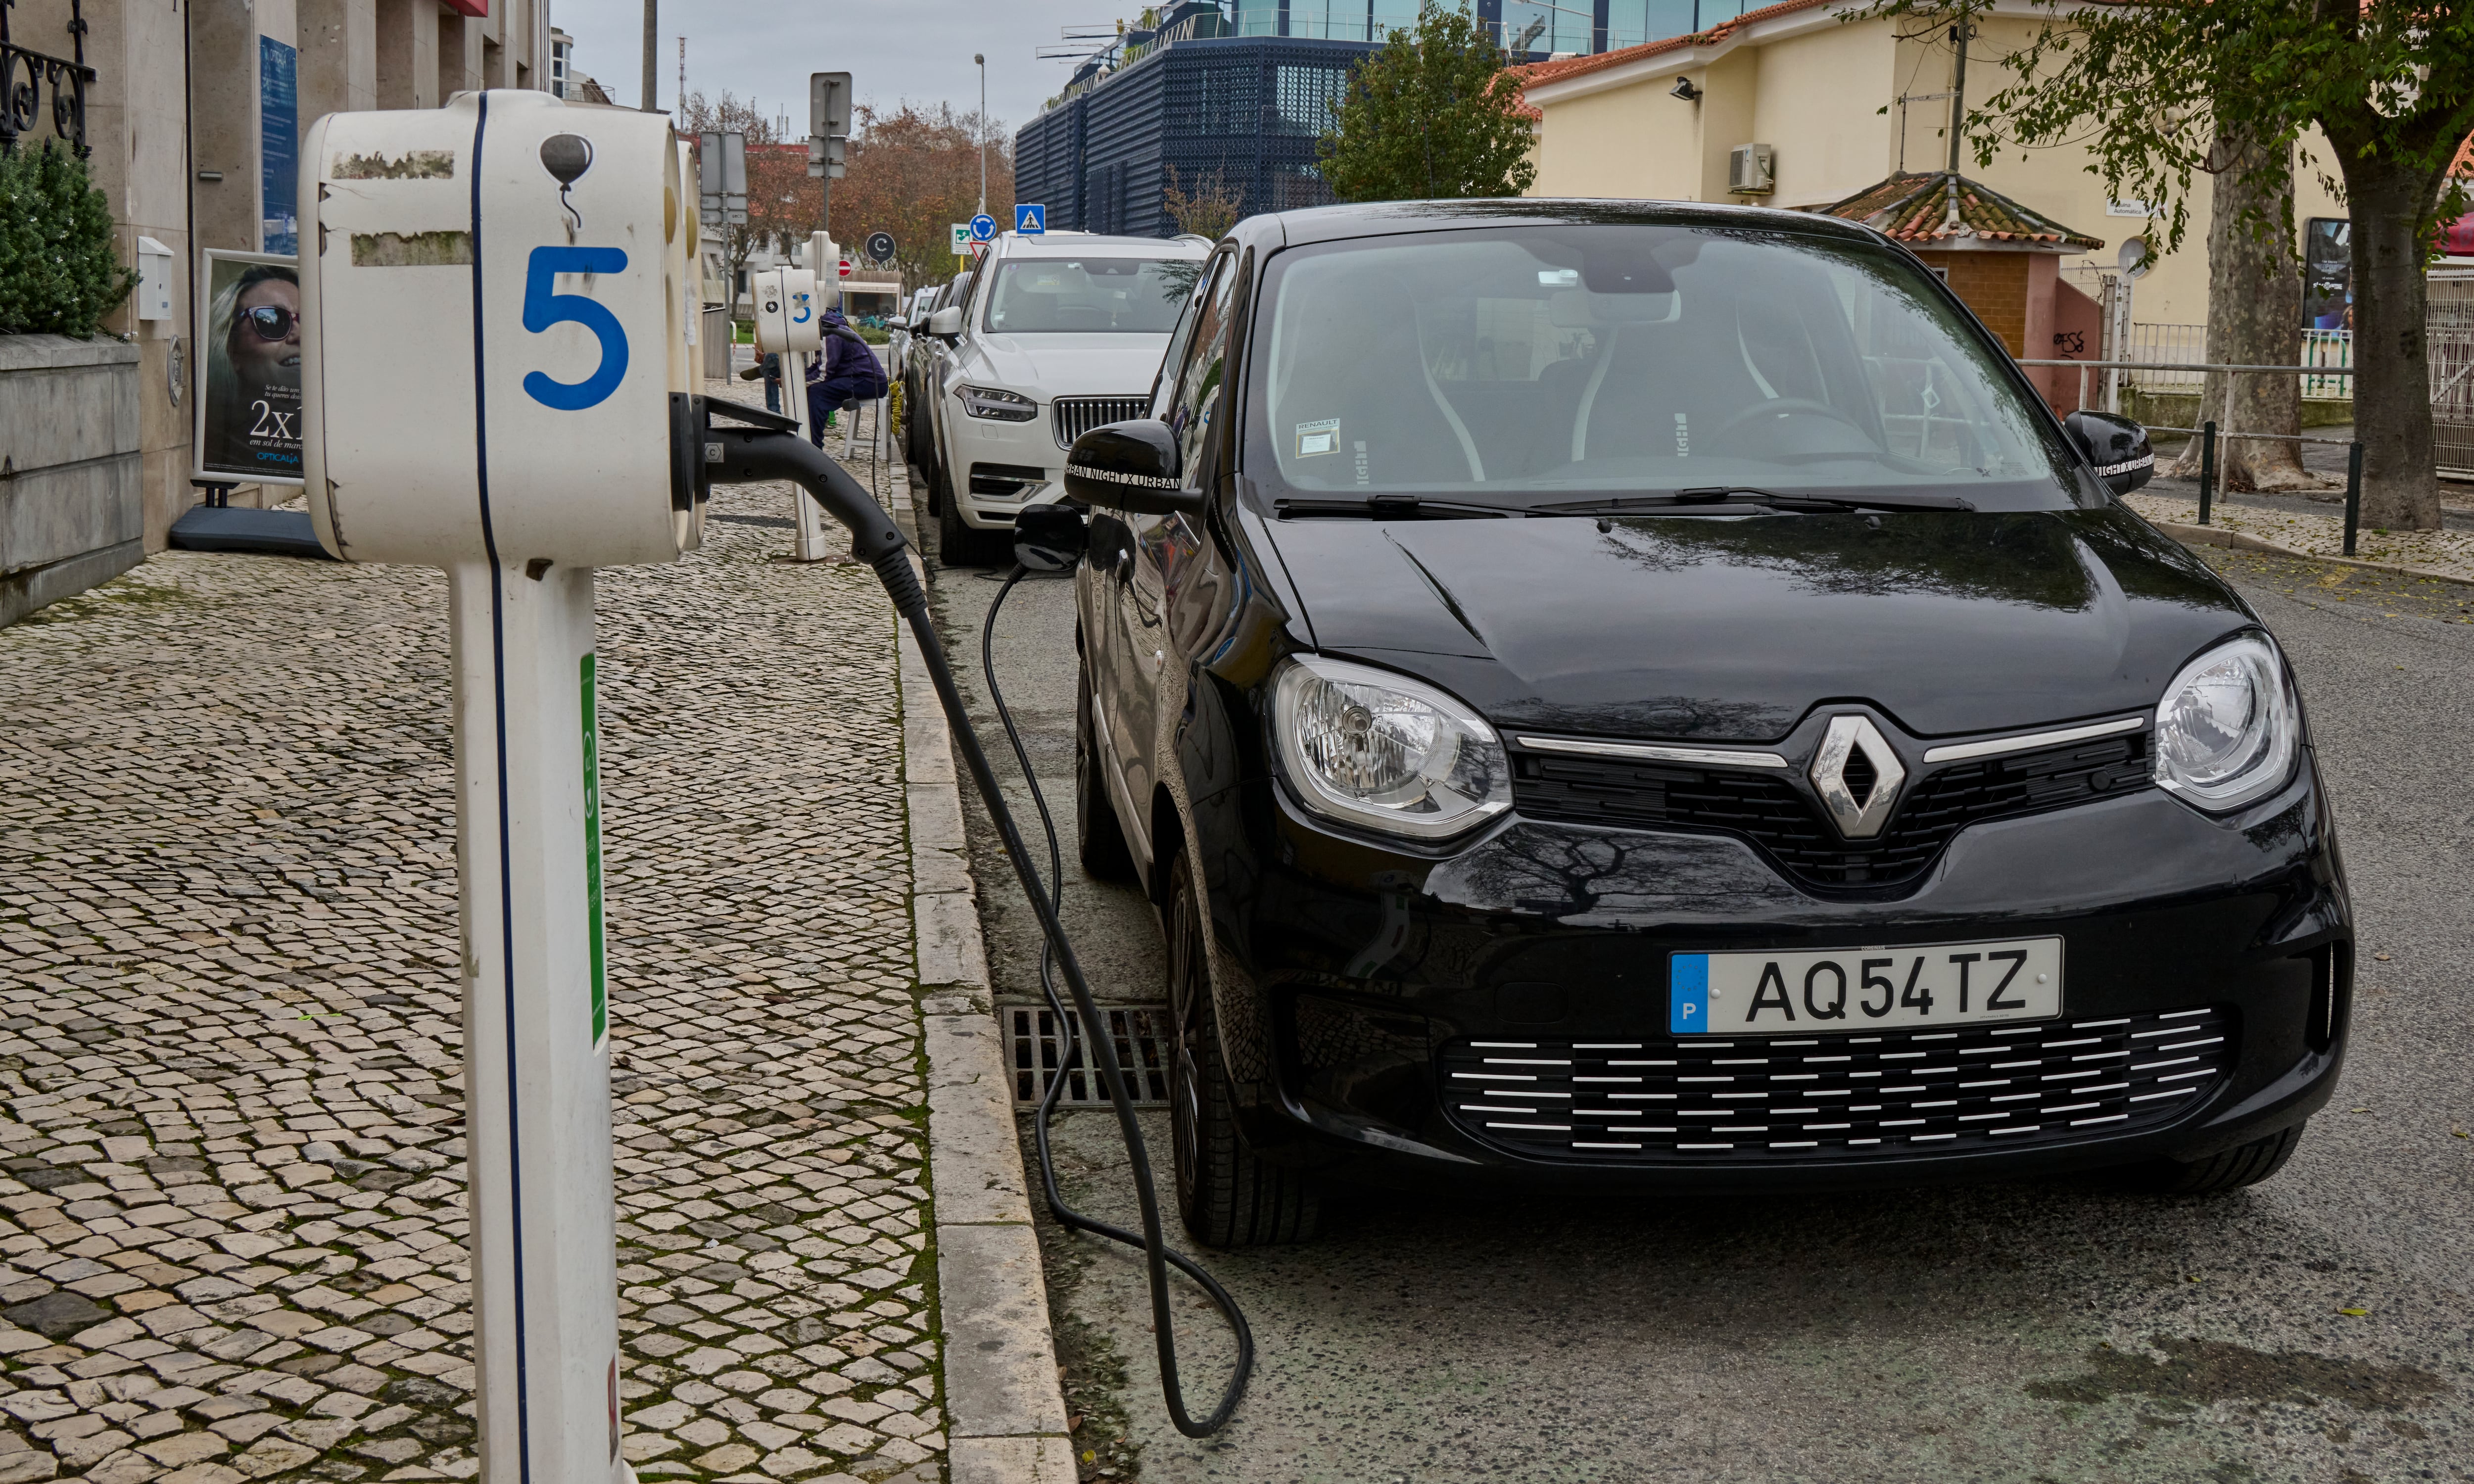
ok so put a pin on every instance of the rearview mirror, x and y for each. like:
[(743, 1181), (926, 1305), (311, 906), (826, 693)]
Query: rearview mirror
[(947, 321), (2116, 446), (1131, 467)]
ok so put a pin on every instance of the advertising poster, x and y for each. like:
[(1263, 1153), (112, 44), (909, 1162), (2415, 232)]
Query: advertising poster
[(249, 369)]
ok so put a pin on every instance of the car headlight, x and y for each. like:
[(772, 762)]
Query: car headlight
[(1368, 748), (989, 401), (2226, 732)]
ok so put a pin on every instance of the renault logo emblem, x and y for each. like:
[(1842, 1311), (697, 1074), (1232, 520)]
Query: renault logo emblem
[(1857, 818)]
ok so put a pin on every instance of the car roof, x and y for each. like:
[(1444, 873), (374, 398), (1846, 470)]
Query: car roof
[(1386, 218)]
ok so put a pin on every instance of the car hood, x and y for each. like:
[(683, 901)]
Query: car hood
[(1732, 629), (1066, 365)]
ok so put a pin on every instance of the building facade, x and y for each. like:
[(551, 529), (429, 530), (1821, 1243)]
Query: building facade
[(1229, 96), (1842, 104), (191, 125)]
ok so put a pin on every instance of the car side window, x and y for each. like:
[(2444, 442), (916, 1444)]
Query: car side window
[(1196, 400), (1181, 338)]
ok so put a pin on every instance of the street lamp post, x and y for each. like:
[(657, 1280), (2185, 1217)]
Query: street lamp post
[(652, 32), (982, 61)]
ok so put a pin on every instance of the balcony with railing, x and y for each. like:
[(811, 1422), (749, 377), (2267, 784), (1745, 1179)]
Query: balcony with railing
[(27, 75)]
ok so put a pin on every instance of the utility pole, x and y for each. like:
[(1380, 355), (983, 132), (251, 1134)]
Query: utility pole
[(982, 61), (1958, 35), (682, 72), (653, 40), (1958, 93)]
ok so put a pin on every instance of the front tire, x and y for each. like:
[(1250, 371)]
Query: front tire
[(2219, 1172), (1227, 1194)]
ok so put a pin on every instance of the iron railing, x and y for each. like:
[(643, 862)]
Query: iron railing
[(24, 75)]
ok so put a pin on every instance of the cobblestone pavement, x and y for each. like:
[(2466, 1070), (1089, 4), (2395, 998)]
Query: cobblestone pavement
[(230, 1117)]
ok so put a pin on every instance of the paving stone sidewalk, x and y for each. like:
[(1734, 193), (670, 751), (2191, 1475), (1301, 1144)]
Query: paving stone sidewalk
[(229, 1116)]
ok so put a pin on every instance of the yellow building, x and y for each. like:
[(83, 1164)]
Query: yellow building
[(1843, 104)]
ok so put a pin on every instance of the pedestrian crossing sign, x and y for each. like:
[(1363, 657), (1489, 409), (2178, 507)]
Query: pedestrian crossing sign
[(1029, 218)]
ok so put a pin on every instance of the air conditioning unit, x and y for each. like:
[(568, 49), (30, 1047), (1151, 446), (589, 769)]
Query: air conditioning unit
[(1749, 170)]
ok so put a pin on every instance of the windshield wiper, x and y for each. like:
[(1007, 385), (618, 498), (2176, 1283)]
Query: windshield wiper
[(1388, 507), (1728, 495)]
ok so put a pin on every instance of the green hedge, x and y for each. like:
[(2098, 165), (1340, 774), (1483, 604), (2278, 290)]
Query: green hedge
[(59, 274)]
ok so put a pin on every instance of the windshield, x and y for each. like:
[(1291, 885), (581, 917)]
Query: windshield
[(1088, 296), (1535, 366)]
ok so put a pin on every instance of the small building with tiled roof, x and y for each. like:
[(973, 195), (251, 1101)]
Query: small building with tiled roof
[(1852, 113), (2002, 257), (1930, 210)]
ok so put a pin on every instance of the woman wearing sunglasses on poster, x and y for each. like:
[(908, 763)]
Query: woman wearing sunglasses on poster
[(254, 403)]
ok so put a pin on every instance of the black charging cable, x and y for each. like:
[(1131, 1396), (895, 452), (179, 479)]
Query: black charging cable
[(1071, 1033), (769, 449)]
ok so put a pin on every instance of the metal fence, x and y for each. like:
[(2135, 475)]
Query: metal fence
[(2165, 347), (2449, 333)]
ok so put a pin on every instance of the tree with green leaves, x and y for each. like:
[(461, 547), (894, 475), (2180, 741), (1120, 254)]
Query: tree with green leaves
[(58, 273), (2166, 85), (1432, 116)]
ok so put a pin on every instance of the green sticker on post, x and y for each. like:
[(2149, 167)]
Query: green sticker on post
[(593, 853)]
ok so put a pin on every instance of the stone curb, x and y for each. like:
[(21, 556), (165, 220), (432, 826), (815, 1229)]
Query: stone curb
[(1005, 1408), (2241, 541)]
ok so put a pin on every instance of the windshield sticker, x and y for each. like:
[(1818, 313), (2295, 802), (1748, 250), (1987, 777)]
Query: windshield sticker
[(1683, 437), (1360, 447), (1315, 438)]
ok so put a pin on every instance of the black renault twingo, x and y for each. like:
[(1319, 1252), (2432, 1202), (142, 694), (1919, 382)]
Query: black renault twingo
[(1623, 691)]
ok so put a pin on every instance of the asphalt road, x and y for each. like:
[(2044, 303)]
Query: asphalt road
[(2055, 1331)]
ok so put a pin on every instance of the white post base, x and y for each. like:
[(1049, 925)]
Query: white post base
[(535, 1027), (807, 541)]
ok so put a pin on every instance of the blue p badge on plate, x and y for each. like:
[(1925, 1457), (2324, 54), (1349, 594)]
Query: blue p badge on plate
[(1687, 993)]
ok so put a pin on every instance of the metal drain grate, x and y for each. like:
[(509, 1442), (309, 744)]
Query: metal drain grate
[(1034, 1049)]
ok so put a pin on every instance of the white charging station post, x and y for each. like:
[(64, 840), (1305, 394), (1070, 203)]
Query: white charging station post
[(496, 303), (790, 322)]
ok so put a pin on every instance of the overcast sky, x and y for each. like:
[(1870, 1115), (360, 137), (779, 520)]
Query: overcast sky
[(894, 49)]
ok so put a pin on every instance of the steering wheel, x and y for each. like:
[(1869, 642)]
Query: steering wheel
[(1779, 405)]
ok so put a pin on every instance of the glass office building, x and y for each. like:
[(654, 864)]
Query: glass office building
[(1230, 95), (1582, 27)]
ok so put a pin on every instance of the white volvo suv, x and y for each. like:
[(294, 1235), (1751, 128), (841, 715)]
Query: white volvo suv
[(1060, 334)]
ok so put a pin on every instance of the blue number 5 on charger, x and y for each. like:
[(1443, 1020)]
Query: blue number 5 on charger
[(544, 308)]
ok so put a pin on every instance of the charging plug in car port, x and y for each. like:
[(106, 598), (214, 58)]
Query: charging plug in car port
[(1005, 481)]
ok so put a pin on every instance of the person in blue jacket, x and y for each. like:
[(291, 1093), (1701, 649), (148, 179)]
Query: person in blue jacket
[(845, 371)]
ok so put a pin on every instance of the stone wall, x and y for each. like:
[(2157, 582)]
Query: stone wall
[(71, 468)]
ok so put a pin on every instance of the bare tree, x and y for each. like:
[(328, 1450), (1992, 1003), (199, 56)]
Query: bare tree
[(1209, 209)]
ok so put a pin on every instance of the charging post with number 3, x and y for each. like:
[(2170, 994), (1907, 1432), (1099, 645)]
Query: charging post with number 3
[(495, 298), (790, 322)]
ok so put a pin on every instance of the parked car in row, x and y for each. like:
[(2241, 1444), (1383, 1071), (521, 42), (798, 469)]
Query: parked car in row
[(1051, 335), (1649, 692)]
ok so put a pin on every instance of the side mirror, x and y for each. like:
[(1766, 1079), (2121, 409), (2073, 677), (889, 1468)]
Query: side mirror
[(946, 322), (2116, 446), (1130, 467), (1050, 537)]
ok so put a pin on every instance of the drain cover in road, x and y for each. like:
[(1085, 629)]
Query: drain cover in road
[(1035, 1051)]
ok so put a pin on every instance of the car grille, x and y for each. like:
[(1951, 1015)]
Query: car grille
[(1079, 415), (1776, 815), (1730, 1100)]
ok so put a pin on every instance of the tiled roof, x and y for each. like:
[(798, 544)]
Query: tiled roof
[(1534, 73), (1915, 208)]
